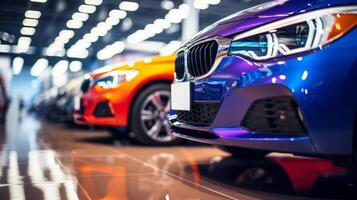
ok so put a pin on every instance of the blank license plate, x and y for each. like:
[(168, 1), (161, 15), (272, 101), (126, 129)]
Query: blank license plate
[(77, 103), (181, 96)]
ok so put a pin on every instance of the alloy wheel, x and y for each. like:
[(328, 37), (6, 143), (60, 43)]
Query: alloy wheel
[(154, 116)]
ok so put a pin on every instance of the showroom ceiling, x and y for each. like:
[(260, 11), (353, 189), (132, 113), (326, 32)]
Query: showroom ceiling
[(55, 14)]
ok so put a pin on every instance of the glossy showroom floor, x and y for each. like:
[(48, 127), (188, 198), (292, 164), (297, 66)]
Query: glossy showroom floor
[(40, 160)]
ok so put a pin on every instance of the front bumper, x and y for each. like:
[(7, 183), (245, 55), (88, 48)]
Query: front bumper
[(226, 127), (95, 114), (104, 108), (321, 83)]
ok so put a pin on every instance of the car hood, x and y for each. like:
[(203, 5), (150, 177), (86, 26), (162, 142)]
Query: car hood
[(147, 63), (140, 65), (262, 14)]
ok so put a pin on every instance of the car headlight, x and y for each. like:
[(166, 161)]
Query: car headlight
[(296, 34), (113, 79)]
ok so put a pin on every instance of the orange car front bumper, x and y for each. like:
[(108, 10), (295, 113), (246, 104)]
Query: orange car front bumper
[(108, 108)]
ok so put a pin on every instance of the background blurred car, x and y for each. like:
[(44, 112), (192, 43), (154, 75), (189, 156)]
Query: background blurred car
[(4, 99), (45, 104), (65, 102), (132, 97), (56, 104), (272, 83)]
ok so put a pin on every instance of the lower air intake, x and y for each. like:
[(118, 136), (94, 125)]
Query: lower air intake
[(201, 114), (278, 115), (103, 110)]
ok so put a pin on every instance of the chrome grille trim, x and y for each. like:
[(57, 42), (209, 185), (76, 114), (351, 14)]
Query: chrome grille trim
[(188, 49), (180, 65)]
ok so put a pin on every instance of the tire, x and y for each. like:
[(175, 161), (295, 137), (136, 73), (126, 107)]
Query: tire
[(149, 116), (244, 153), (354, 149)]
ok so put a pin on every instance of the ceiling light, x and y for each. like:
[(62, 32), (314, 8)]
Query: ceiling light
[(162, 23), (39, 1), (33, 14), (129, 6), (77, 53), (111, 50), (146, 46), (87, 9), (27, 31), (17, 65), (61, 40), (167, 5), (137, 37), (112, 21), (30, 22), (66, 33), (185, 10), (91, 37), (87, 36), (93, 2), (102, 32), (174, 16), (5, 48), (22, 49), (8, 37), (53, 47), (57, 45), (134, 39), (200, 4), (213, 2), (77, 16), (60, 68), (50, 51), (74, 24), (99, 31), (127, 24), (75, 66), (153, 29), (24, 41), (39, 66), (104, 26), (117, 14), (83, 43), (94, 30)]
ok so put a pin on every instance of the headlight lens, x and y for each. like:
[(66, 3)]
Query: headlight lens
[(113, 79), (295, 34)]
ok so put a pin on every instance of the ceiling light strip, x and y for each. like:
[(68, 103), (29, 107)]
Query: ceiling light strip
[(102, 28), (57, 47)]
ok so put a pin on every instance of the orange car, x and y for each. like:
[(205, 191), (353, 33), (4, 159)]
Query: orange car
[(133, 97)]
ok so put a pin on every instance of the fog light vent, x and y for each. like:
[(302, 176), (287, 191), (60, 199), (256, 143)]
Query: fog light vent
[(103, 110), (274, 115)]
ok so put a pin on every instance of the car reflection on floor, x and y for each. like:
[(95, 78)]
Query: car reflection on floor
[(277, 174), (160, 167), (283, 174), (41, 177), (41, 160)]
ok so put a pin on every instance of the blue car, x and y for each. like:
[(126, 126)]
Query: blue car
[(281, 76)]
